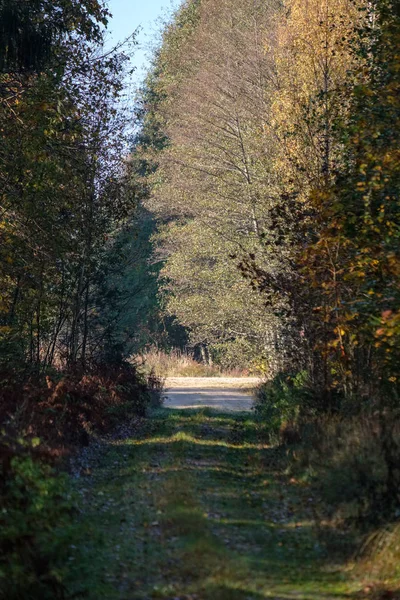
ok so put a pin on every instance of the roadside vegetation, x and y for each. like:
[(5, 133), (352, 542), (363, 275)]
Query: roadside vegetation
[(184, 363)]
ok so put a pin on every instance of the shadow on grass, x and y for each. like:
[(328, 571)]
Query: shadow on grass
[(221, 518)]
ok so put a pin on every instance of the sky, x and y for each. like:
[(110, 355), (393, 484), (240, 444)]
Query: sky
[(129, 15)]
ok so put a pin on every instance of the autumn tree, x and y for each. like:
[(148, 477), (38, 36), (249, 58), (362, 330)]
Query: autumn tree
[(359, 216)]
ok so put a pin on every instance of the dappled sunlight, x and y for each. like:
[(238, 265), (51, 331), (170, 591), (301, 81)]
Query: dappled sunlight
[(204, 415), (186, 438), (244, 522), (197, 517), (218, 589)]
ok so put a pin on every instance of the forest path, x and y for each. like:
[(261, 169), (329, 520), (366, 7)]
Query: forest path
[(221, 393), (193, 506)]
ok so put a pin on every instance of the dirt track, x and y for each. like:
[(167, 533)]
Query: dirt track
[(221, 393)]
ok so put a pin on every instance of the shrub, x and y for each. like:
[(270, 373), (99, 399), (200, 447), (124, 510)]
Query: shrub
[(35, 525), (281, 401), (236, 356), (63, 408), (155, 386)]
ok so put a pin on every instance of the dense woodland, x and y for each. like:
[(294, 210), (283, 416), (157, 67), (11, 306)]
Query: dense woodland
[(245, 207), (272, 134)]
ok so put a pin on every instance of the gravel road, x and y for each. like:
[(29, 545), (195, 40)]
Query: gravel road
[(221, 393)]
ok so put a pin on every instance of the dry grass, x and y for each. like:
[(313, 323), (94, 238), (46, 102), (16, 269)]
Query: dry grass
[(181, 364), (379, 562)]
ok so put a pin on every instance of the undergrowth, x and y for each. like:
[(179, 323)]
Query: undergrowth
[(64, 408), (44, 417), (351, 460), (35, 524)]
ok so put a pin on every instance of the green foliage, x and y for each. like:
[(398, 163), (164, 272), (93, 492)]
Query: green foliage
[(128, 314), (35, 528), (351, 261), (280, 163), (282, 400), (64, 178), (208, 210), (236, 353), (30, 31)]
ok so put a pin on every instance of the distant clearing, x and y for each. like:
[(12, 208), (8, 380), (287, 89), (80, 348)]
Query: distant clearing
[(222, 393)]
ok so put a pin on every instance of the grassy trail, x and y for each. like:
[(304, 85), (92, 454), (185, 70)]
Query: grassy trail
[(196, 508)]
